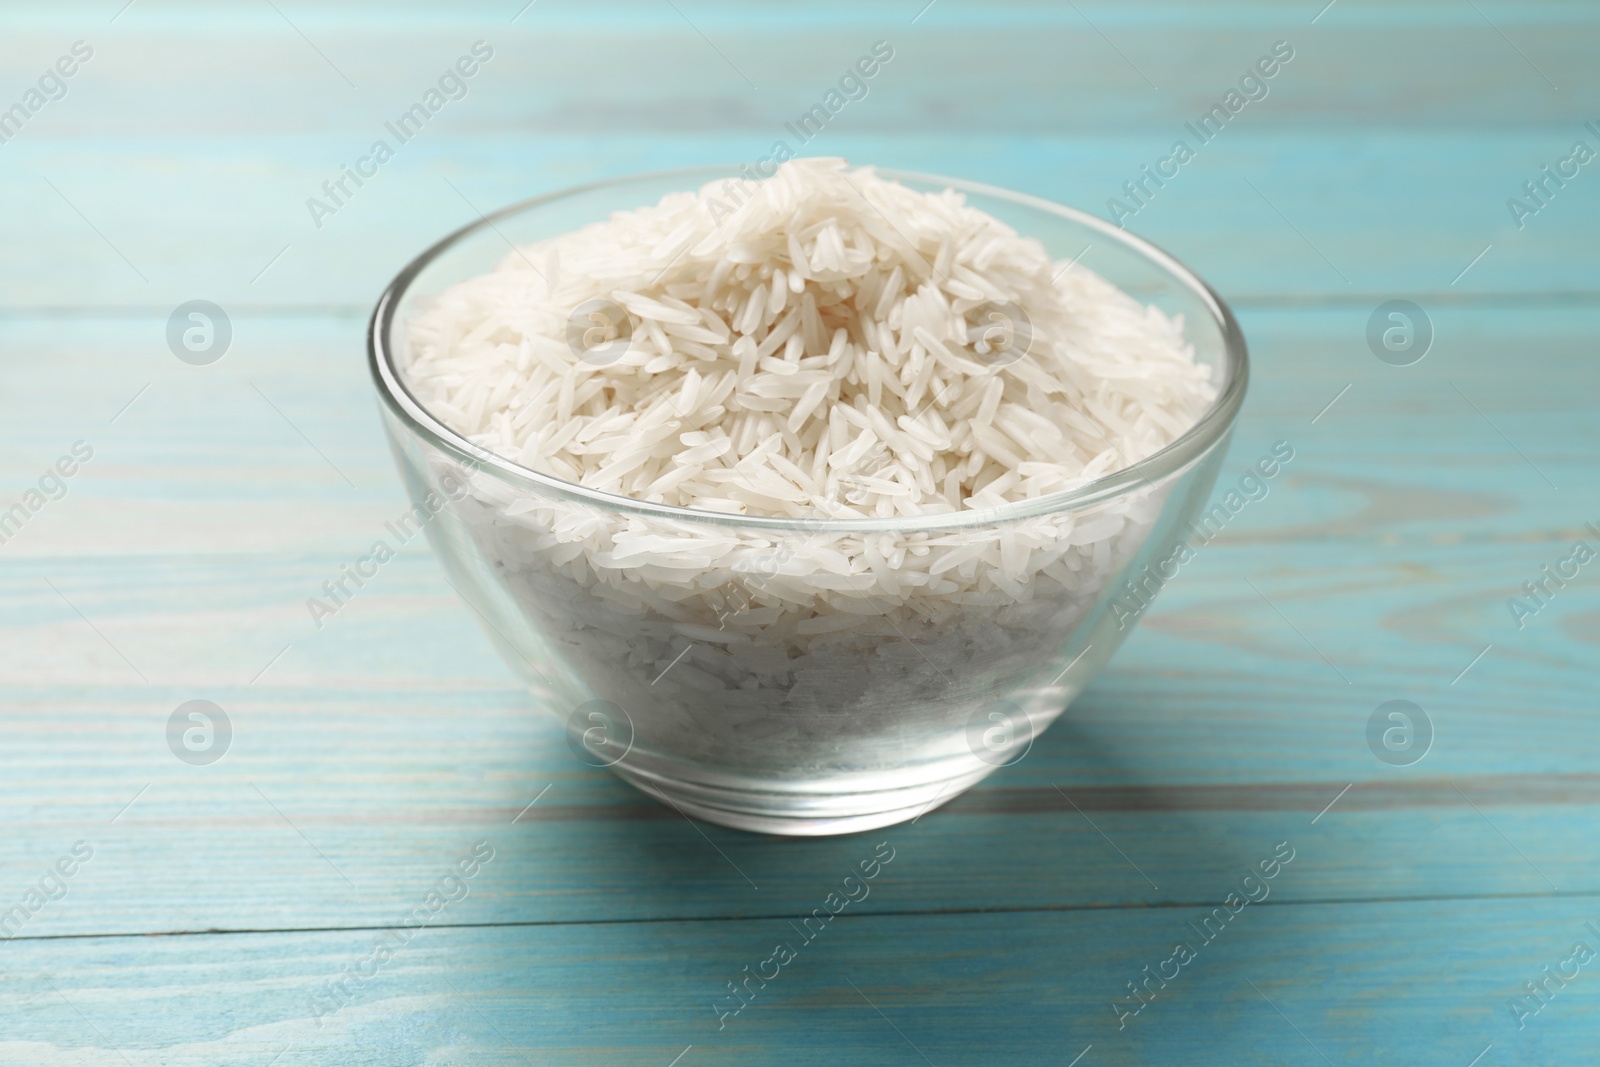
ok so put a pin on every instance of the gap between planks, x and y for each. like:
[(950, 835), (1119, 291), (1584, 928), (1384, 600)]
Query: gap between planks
[(909, 913)]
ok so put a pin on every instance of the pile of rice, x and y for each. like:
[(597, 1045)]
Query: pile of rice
[(825, 351), (838, 346)]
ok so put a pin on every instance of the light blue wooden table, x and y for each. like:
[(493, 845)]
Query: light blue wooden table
[(235, 912)]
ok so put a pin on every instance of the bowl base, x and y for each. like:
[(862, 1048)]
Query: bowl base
[(796, 813)]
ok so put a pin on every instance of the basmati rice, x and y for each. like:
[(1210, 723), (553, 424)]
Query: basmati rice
[(832, 276), (841, 346)]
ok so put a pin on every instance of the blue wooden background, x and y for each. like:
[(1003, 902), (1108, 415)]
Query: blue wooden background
[(369, 757)]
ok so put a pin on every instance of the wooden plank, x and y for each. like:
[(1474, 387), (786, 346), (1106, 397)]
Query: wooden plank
[(1383, 984), (726, 66), (368, 756), (1356, 215)]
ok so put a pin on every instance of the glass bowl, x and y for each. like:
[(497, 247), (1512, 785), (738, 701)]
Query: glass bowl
[(695, 671)]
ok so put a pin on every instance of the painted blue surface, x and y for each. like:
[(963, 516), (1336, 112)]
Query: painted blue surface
[(370, 755)]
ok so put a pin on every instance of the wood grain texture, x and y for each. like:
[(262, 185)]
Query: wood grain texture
[(1384, 984), (371, 754), (1359, 215)]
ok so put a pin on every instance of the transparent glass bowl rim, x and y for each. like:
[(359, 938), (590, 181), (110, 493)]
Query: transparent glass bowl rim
[(1194, 442)]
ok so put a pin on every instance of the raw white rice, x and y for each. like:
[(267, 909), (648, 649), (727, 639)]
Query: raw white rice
[(821, 352), (817, 353)]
